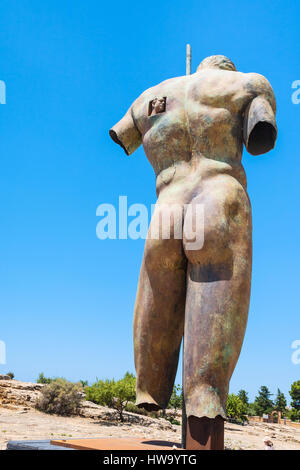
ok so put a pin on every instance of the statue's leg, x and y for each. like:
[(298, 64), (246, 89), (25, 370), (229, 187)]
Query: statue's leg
[(218, 292), (159, 318)]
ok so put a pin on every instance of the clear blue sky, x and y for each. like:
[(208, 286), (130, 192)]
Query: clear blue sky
[(71, 69)]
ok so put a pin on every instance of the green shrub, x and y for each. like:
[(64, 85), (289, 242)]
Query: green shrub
[(236, 408), (84, 383), (60, 397), (115, 394), (11, 375), (44, 380), (172, 420), (251, 409), (294, 415), (295, 395), (176, 401), (132, 408)]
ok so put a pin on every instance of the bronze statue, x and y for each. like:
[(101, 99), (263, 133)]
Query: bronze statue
[(192, 129)]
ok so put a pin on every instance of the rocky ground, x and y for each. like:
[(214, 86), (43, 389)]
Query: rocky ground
[(20, 421)]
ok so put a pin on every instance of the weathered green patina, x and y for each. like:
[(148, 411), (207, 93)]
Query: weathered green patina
[(192, 129)]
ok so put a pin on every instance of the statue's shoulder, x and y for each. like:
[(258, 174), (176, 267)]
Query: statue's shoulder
[(257, 81), (257, 84)]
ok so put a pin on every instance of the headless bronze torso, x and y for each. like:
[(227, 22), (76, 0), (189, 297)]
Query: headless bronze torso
[(192, 129)]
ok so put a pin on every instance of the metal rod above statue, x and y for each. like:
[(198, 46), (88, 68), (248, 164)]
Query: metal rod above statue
[(196, 271), (188, 59)]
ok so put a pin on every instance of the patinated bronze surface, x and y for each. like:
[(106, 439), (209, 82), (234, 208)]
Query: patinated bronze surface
[(192, 129)]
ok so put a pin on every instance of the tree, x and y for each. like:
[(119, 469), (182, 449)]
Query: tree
[(84, 383), (251, 411), (263, 403), (243, 395), (115, 394), (280, 402), (294, 414), (235, 407), (44, 380), (175, 402), (295, 395)]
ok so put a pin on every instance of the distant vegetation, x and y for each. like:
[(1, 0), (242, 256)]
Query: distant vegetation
[(236, 407), (120, 395), (47, 380), (263, 403), (115, 394), (44, 380), (295, 395)]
